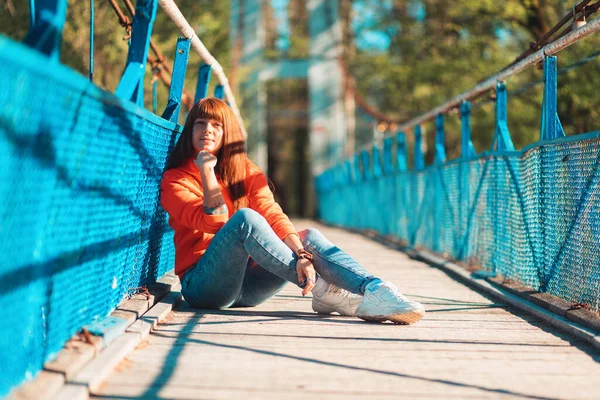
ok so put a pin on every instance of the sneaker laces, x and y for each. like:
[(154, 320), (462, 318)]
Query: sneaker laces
[(391, 290), (339, 291)]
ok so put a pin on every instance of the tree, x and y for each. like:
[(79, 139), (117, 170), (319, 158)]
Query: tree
[(439, 49), (210, 20)]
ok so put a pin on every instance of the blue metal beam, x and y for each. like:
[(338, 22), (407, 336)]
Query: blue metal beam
[(145, 14), (92, 22), (366, 165), (343, 174), (348, 171), (335, 175), (219, 92), (468, 150), (440, 140), (356, 168), (31, 13), (401, 151), (376, 154), (47, 19), (154, 95), (419, 162), (203, 81), (182, 54), (551, 127), (502, 139), (130, 80), (438, 187), (388, 164)]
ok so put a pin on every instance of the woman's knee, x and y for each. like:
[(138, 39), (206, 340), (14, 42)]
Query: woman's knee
[(218, 302), (244, 303), (311, 235), (247, 215), (199, 293)]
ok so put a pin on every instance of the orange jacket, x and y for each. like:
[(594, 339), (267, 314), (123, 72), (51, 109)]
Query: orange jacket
[(182, 198)]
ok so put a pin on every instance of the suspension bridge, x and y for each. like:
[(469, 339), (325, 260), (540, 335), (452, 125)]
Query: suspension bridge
[(501, 247)]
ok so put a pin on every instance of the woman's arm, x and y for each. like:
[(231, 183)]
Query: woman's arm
[(293, 242), (262, 201), (304, 267), (214, 203), (182, 197)]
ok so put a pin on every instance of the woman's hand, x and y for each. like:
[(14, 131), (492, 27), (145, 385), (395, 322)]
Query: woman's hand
[(205, 161), (306, 272)]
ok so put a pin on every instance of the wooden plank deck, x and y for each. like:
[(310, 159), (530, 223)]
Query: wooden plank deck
[(467, 346)]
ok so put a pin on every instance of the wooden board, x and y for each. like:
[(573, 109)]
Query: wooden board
[(467, 346)]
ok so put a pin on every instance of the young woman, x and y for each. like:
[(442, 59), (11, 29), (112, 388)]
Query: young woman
[(234, 246)]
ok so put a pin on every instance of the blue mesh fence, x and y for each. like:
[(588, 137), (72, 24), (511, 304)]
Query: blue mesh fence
[(81, 226), (531, 216)]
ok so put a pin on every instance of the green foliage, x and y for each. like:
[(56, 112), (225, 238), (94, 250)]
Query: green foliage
[(457, 44), (429, 60), (210, 19), (14, 21), (297, 24)]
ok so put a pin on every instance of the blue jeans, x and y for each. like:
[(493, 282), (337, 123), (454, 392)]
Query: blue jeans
[(246, 264)]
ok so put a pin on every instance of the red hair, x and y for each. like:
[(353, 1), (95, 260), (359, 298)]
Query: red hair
[(231, 158)]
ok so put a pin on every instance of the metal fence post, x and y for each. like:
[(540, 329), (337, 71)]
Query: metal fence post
[(389, 184), (47, 20), (437, 175), (376, 189), (419, 161), (182, 54), (358, 176), (219, 92), (366, 165), (358, 182), (367, 183), (92, 24), (131, 86), (467, 148), (401, 152), (388, 165), (467, 152), (502, 139), (203, 80), (348, 195), (376, 154), (440, 140), (401, 184), (551, 128), (31, 13)]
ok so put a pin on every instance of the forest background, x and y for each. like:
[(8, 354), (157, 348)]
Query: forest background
[(405, 56)]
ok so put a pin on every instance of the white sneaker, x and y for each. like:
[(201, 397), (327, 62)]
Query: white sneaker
[(385, 302), (336, 299)]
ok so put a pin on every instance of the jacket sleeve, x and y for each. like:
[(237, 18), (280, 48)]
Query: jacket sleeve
[(262, 201), (186, 206)]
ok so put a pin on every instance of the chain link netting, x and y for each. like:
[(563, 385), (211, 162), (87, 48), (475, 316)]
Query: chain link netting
[(530, 216), (81, 226)]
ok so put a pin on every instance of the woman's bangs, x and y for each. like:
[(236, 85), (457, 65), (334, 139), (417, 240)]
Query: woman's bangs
[(208, 109)]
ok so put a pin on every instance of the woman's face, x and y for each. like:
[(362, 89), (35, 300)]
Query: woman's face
[(207, 134)]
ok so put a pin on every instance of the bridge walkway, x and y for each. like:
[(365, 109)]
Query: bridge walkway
[(467, 346)]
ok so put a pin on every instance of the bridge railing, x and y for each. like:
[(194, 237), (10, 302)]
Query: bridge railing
[(81, 226), (531, 215)]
